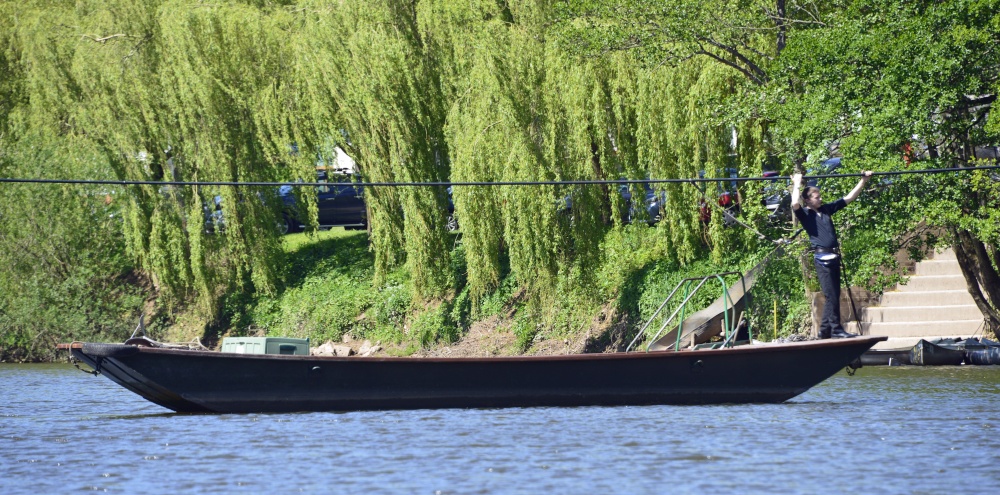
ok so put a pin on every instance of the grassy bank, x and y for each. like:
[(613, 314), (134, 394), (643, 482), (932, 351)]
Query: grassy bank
[(327, 294)]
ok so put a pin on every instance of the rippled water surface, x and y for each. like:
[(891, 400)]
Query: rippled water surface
[(884, 430)]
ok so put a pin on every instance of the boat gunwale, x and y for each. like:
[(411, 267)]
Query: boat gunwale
[(743, 349)]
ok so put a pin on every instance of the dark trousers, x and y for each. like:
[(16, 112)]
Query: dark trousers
[(828, 273)]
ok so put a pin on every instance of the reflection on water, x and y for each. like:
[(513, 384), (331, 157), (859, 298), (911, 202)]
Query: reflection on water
[(884, 430)]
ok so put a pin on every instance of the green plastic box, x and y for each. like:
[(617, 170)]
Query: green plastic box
[(266, 345)]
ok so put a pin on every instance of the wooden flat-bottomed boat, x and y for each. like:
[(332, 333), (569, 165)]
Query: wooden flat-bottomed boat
[(194, 381)]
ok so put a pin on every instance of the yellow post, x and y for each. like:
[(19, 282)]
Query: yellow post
[(775, 320)]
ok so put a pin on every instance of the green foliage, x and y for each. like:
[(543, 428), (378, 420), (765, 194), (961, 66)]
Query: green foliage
[(390, 309), (777, 304), (166, 91), (926, 93), (461, 311), (629, 253), (65, 275), (875, 95), (499, 301), (384, 106), (435, 325), (438, 90), (327, 287), (524, 329), (740, 34)]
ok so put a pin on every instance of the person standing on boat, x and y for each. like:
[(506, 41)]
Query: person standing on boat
[(816, 218)]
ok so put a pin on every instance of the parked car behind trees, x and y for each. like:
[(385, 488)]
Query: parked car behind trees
[(650, 209), (338, 204)]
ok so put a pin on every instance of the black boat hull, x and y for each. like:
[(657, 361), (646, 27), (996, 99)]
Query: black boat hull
[(886, 357), (984, 356), (201, 381), (926, 353)]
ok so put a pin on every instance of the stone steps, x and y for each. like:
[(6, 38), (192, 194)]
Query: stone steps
[(938, 267), (926, 298), (947, 254), (917, 314), (923, 283), (949, 328), (935, 302)]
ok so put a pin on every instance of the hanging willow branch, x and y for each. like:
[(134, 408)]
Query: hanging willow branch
[(427, 91)]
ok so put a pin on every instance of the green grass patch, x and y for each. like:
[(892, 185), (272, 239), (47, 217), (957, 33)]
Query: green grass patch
[(328, 292)]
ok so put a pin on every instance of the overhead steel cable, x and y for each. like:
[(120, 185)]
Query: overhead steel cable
[(482, 183)]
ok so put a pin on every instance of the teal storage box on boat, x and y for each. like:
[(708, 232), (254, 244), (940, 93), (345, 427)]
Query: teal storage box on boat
[(266, 345)]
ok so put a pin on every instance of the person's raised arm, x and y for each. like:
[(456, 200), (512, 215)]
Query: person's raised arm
[(796, 194), (851, 196)]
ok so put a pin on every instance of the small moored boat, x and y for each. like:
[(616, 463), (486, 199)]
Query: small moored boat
[(983, 352), (886, 357), (927, 353)]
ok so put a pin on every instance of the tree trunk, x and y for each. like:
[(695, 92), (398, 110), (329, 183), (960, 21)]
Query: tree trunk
[(782, 26), (980, 276), (595, 161)]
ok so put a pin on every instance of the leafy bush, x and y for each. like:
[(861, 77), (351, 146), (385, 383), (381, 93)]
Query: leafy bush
[(461, 310), (391, 307), (499, 300), (779, 294), (525, 329), (327, 285), (435, 325), (64, 271)]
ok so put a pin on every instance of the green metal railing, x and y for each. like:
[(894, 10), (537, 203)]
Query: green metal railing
[(727, 303)]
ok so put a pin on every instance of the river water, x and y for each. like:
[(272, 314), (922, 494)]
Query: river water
[(885, 430)]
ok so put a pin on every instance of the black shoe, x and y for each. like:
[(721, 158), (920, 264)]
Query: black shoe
[(824, 335), (842, 334)]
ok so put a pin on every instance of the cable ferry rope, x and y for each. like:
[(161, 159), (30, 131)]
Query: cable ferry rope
[(478, 183)]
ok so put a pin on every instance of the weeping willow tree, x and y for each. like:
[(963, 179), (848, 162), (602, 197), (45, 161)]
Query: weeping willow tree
[(178, 91), (191, 91), (63, 269), (415, 91), (497, 128), (519, 111), (718, 57), (525, 108), (174, 91), (369, 89)]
